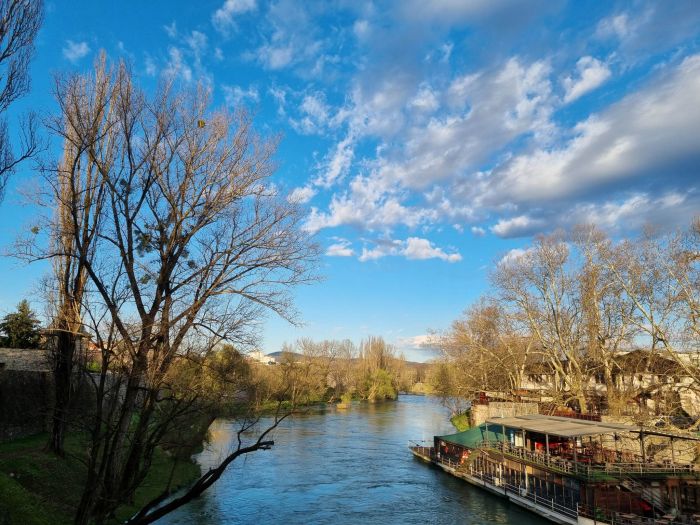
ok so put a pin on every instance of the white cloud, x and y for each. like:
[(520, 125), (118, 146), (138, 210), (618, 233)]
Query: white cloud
[(417, 248), (416, 342), (489, 110), (177, 66), (315, 114), (150, 66), (636, 210), (171, 29), (337, 164), (236, 96), (341, 248), (74, 51), (367, 204), (197, 42), (478, 231), (414, 248), (516, 226), (383, 248), (275, 57), (223, 18), (446, 50), (615, 25), (636, 138), (361, 29), (301, 195), (425, 100), (290, 36), (515, 255), (591, 74)]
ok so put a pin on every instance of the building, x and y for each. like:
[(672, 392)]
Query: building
[(654, 383), (259, 357), (574, 471)]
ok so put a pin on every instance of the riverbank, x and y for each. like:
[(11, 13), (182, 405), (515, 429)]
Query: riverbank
[(39, 488)]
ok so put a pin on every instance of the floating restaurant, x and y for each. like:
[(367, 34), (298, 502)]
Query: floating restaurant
[(576, 471)]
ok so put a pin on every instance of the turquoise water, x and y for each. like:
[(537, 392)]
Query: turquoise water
[(345, 467)]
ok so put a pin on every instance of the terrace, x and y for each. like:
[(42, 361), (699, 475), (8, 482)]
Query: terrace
[(589, 449)]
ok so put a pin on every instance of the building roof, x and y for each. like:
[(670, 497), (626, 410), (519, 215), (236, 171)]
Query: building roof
[(560, 426), (473, 437), (569, 428)]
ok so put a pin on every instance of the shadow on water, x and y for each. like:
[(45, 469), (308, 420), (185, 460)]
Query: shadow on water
[(345, 467)]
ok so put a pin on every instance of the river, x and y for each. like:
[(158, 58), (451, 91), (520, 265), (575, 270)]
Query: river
[(345, 467)]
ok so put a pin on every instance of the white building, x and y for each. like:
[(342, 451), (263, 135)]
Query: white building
[(258, 356)]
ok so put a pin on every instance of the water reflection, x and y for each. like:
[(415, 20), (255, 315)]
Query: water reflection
[(345, 467)]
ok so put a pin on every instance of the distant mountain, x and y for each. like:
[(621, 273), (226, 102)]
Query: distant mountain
[(278, 355)]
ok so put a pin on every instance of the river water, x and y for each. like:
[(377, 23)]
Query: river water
[(345, 467)]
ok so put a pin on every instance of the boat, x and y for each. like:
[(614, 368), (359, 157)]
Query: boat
[(577, 472)]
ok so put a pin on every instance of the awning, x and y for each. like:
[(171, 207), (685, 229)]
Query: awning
[(560, 426)]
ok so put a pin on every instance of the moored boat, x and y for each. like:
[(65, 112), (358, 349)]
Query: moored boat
[(573, 471)]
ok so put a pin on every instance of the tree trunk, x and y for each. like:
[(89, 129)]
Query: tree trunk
[(63, 356)]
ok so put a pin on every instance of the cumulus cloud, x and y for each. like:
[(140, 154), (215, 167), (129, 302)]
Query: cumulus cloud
[(417, 342), (74, 51), (314, 114), (236, 96), (197, 41), (275, 57), (617, 25), (418, 145), (291, 38), (340, 248), (177, 65), (224, 17), (649, 135), (517, 226), (591, 73), (337, 164), (489, 109), (425, 100), (415, 248), (514, 255), (301, 195), (366, 205)]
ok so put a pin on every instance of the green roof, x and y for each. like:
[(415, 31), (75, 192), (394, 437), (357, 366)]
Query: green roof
[(473, 437)]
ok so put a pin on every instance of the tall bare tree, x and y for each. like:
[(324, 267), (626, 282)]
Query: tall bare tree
[(187, 245), (20, 21), (78, 196)]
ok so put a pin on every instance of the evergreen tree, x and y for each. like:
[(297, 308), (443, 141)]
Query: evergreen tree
[(20, 329)]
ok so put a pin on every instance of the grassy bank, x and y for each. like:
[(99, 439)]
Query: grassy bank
[(38, 488)]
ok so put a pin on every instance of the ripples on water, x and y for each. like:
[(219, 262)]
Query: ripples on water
[(345, 467)]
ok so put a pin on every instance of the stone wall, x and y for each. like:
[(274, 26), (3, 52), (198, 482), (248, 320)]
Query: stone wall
[(25, 396), (480, 413), (24, 360)]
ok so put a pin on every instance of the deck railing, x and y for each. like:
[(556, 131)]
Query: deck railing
[(581, 468), (570, 511)]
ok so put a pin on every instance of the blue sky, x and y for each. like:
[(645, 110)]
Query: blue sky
[(425, 138)]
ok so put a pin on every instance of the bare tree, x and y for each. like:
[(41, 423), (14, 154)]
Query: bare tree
[(190, 246), (541, 288), (20, 21), (660, 277), (78, 195)]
